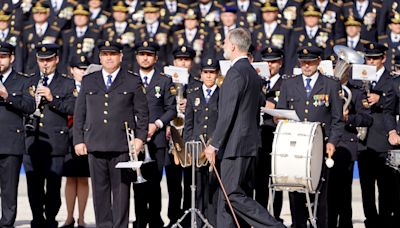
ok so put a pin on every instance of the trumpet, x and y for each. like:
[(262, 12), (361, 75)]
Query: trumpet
[(130, 137), (179, 121), (147, 157)]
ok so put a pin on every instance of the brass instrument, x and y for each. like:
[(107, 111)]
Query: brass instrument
[(347, 57), (201, 157), (130, 137), (179, 121), (147, 157), (220, 80), (181, 156)]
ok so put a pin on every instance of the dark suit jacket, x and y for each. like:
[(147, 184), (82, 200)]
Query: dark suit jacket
[(18, 103), (162, 106), (324, 104), (393, 50), (200, 116), (51, 134), (100, 114), (237, 128)]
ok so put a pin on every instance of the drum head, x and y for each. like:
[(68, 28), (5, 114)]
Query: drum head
[(316, 161)]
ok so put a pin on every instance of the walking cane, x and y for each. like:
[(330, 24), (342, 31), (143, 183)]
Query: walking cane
[(221, 185)]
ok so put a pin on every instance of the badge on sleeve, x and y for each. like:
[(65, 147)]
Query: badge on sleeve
[(172, 90), (158, 89), (75, 93), (32, 90), (197, 101)]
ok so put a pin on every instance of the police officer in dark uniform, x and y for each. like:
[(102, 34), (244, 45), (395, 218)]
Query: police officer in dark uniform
[(314, 97), (340, 178), (121, 32), (248, 14), (19, 14), (171, 13), (160, 93), (108, 100), (155, 30), (41, 31), (290, 12), (270, 94), (47, 137), (332, 19), (61, 12), (201, 115), (81, 39), (310, 35), (353, 34), (373, 151), (369, 11), (15, 101), (98, 16), (270, 33), (388, 7), (218, 33), (210, 12), (9, 34), (392, 40)]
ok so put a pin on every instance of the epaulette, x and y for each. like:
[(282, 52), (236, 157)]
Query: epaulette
[(181, 5), (180, 31), (72, 1), (286, 27), (288, 76), (106, 13), (341, 40), (348, 4), (299, 1), (257, 27), (31, 75), (28, 26), (326, 30), (334, 3), (217, 4), (132, 26), (67, 30), (95, 30), (108, 25), (364, 41), (377, 4), (332, 77), (22, 74), (191, 90), (55, 28), (15, 32), (381, 37), (165, 26), (257, 4), (230, 3), (193, 4), (298, 29)]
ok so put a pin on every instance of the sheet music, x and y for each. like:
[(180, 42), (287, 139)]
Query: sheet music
[(283, 113)]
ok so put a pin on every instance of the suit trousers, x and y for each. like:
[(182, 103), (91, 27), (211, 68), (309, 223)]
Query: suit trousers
[(174, 184), (237, 174), (111, 189), (373, 170), (148, 194), (44, 171), (10, 165)]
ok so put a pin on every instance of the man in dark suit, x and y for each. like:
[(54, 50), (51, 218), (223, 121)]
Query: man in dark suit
[(236, 136), (109, 99), (373, 151), (331, 17), (270, 94), (160, 93), (41, 31), (248, 13), (353, 34), (314, 97), (98, 16), (201, 115), (340, 177), (210, 12), (392, 40), (47, 137), (15, 101)]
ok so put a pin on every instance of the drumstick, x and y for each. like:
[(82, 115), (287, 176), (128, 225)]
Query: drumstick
[(329, 162), (222, 186)]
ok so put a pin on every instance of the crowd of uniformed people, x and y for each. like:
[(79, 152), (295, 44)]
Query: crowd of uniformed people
[(56, 121)]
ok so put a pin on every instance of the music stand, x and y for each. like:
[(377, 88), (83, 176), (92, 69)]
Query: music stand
[(194, 148)]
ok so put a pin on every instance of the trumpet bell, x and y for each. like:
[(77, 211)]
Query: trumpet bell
[(140, 180), (349, 55), (180, 154)]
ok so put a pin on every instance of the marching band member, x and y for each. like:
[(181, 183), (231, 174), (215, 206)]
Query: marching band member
[(15, 101), (314, 97), (47, 138), (200, 118), (160, 94), (108, 99)]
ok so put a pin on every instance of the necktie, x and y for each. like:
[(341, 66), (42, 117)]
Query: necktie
[(310, 33), (352, 44), (208, 95), (3, 35), (373, 84), (171, 7), (109, 81), (359, 10), (268, 85), (308, 87), (55, 6), (45, 79), (40, 31), (242, 7), (145, 83)]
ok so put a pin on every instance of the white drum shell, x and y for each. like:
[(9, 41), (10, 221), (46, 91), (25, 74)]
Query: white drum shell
[(393, 159), (297, 156)]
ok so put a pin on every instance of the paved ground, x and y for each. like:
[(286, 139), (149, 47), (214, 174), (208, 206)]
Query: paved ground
[(24, 214)]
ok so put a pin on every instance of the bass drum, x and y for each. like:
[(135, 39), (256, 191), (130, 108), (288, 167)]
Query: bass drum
[(297, 156)]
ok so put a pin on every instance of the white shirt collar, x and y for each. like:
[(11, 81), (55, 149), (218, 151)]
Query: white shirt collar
[(314, 78), (313, 29), (282, 4), (205, 90), (206, 6), (245, 5), (5, 32), (83, 29), (113, 75), (132, 6), (355, 40), (363, 5), (379, 74), (6, 74), (273, 80), (395, 37), (237, 59), (149, 75), (50, 78), (121, 24), (94, 12), (322, 5), (270, 28), (227, 29), (152, 26), (78, 85), (15, 2), (43, 27)]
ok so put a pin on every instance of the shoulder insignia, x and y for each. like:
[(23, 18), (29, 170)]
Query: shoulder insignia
[(55, 28), (181, 5), (106, 13), (257, 4), (108, 25), (364, 41), (257, 27), (193, 4), (287, 27), (180, 31), (164, 26), (299, 1), (28, 26), (132, 26), (379, 5), (382, 37), (298, 29), (289, 76), (331, 77), (230, 3), (341, 40), (348, 4), (22, 74), (15, 32)]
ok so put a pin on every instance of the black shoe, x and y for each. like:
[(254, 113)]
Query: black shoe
[(80, 226), (71, 225)]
